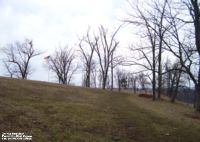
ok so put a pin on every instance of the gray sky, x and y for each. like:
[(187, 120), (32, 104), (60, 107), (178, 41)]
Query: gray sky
[(51, 23)]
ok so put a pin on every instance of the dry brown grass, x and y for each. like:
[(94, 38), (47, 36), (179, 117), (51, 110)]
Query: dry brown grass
[(52, 112)]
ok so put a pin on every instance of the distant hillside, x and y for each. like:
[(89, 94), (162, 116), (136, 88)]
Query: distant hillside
[(57, 113)]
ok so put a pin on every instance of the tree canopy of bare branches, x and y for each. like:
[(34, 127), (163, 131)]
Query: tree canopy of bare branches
[(152, 20), (61, 63), (105, 50), (183, 40), (194, 10), (18, 57), (172, 26), (173, 78), (87, 53)]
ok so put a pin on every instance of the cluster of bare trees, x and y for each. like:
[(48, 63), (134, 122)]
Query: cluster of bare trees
[(18, 56), (97, 53), (103, 45), (166, 29), (98, 56), (171, 27), (174, 78), (130, 80)]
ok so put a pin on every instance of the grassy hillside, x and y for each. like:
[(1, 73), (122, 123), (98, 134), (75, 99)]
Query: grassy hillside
[(57, 113)]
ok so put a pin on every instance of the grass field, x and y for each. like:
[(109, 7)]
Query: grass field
[(58, 113)]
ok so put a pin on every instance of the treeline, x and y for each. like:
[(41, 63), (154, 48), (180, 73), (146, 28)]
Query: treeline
[(167, 51), (172, 28)]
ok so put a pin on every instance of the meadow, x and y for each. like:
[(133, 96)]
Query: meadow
[(58, 113)]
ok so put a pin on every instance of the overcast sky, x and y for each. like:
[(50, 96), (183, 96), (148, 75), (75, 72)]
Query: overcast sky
[(57, 22)]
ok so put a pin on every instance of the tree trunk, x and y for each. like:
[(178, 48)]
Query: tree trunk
[(198, 90), (111, 76), (174, 94), (177, 85), (134, 87), (88, 78), (197, 99), (154, 86), (154, 75), (159, 73), (104, 83), (119, 85), (196, 17)]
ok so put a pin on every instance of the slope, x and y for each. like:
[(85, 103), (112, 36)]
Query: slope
[(52, 112)]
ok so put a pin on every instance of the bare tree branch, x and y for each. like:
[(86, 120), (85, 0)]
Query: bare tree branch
[(18, 57)]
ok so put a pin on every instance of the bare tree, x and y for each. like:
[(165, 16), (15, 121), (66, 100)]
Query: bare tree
[(183, 46), (168, 76), (18, 57), (133, 79), (176, 79), (147, 61), (94, 76), (143, 80), (108, 82), (173, 77), (152, 18), (88, 55), (104, 49), (100, 78), (61, 63), (177, 28), (140, 19), (160, 30), (119, 76), (115, 61), (194, 10), (10, 69)]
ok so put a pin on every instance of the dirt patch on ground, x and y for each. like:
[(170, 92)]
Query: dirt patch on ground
[(145, 95), (193, 116)]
